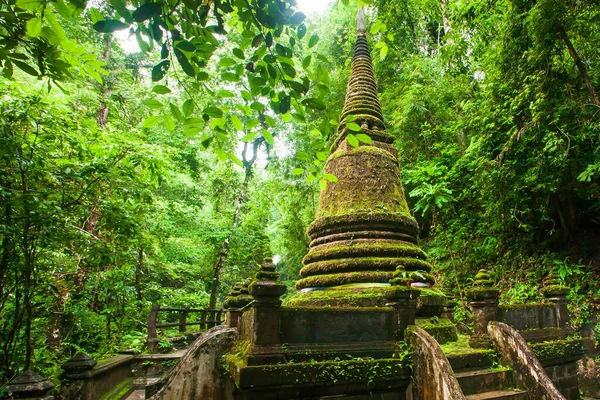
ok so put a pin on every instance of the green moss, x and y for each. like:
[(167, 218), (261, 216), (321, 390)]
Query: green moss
[(558, 348), (461, 347), (399, 222), (120, 390), (336, 371), (364, 263), (344, 297), (442, 329), (372, 248), (237, 357), (343, 278), (555, 290), (506, 307)]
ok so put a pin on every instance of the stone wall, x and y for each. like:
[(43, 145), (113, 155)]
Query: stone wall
[(528, 316)]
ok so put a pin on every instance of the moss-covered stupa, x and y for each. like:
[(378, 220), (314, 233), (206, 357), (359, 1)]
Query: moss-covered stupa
[(363, 229)]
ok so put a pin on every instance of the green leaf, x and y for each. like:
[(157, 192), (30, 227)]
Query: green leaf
[(301, 31), (160, 70), (268, 137), (151, 121), (28, 4), (353, 126), (227, 62), (297, 18), (330, 177), (322, 155), (221, 154), (109, 26), (213, 112), (225, 94), (249, 136), (235, 160), (364, 138), (350, 118), (188, 107), (175, 111), (185, 63), (322, 184), (314, 39), (96, 15), (270, 121), (306, 62), (169, 122), (185, 46), (237, 124), (121, 8), (298, 171), (383, 52), (314, 103), (146, 11), (289, 70), (239, 53), (352, 140), (153, 103), (161, 89), (302, 156), (230, 77), (34, 27), (25, 68)]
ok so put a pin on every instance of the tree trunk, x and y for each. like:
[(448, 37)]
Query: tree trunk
[(138, 277), (105, 89), (222, 256), (582, 71)]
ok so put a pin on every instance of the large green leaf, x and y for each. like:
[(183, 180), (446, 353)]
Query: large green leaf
[(159, 70), (146, 11), (109, 26), (213, 112)]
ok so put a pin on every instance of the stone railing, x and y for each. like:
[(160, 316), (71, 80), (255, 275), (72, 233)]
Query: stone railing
[(85, 379), (543, 329), (433, 378), (208, 318), (528, 371)]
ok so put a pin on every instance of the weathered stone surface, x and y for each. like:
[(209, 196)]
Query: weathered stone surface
[(483, 302), (79, 362), (28, 385), (528, 372), (433, 378), (335, 325), (107, 378), (197, 376), (441, 329), (528, 316), (484, 380), (373, 379)]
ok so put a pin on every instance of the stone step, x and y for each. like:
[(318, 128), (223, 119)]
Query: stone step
[(137, 395), (514, 394), (484, 380), (472, 360)]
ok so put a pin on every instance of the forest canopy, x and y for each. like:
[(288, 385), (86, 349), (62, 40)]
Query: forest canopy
[(166, 174)]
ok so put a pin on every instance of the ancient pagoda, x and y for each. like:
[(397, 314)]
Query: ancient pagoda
[(363, 234)]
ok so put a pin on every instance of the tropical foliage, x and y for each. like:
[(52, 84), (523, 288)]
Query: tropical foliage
[(166, 174)]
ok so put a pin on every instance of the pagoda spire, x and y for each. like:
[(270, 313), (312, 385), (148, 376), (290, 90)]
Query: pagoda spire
[(361, 95), (363, 229)]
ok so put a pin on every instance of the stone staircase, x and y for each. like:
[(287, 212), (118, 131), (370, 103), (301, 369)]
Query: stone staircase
[(479, 376)]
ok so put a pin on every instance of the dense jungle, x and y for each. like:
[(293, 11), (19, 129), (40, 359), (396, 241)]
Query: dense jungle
[(156, 152)]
